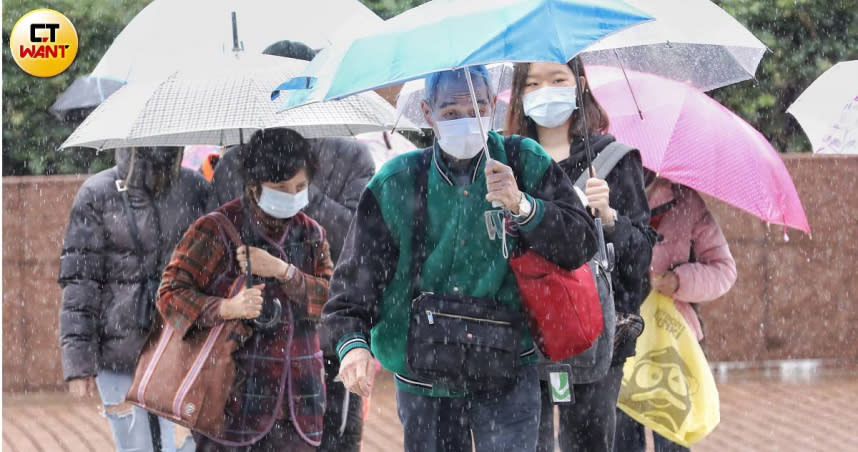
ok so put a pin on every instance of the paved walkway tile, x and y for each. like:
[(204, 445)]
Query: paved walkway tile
[(756, 415)]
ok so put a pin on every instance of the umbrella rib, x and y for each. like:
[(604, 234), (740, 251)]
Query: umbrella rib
[(628, 83)]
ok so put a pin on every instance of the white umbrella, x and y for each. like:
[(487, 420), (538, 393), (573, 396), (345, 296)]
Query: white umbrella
[(384, 145), (168, 33), (692, 41), (222, 104), (828, 110)]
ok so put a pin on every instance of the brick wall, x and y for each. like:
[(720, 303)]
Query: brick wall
[(793, 299), (797, 298), (35, 213)]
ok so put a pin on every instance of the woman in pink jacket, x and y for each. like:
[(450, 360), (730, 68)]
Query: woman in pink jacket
[(691, 262)]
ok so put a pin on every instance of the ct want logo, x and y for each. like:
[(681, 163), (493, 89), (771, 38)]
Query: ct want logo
[(43, 42)]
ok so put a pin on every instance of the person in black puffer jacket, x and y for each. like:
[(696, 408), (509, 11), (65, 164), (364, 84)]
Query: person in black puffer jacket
[(552, 104), (107, 284)]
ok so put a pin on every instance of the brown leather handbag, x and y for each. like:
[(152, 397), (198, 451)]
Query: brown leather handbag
[(187, 380)]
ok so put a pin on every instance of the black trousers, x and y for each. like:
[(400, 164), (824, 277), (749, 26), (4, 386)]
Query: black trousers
[(586, 425), (343, 421), (631, 437)]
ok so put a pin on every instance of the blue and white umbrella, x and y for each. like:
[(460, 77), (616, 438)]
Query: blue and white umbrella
[(449, 34)]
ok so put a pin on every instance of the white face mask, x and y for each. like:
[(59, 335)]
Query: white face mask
[(461, 138), (282, 205), (550, 106)]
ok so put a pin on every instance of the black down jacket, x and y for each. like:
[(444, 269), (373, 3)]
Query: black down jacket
[(99, 271)]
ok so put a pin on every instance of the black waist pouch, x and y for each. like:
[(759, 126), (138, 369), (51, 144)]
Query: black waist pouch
[(463, 343)]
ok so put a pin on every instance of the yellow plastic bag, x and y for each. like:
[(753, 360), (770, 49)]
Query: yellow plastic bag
[(668, 386)]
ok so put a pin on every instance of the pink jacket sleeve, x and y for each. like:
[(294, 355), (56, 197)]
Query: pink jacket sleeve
[(715, 270)]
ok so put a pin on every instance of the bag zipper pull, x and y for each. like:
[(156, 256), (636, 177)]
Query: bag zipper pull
[(430, 317)]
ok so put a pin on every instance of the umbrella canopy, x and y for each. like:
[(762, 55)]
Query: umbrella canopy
[(447, 34), (828, 110), (690, 138), (166, 34), (82, 96), (222, 104), (412, 94), (384, 145), (692, 41)]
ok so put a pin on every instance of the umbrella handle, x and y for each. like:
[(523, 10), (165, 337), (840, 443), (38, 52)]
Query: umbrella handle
[(271, 322), (495, 204), (477, 110)]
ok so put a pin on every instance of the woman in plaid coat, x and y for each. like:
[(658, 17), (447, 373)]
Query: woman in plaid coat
[(277, 399)]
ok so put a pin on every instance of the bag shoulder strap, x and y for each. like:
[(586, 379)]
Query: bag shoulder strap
[(226, 226), (232, 235), (418, 234), (134, 231), (129, 217), (605, 162), (664, 208)]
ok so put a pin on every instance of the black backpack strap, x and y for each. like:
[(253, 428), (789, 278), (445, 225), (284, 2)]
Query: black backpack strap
[(605, 162), (149, 282), (420, 220), (122, 188), (664, 208)]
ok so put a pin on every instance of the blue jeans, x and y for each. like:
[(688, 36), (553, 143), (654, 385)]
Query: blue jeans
[(502, 422), (129, 423)]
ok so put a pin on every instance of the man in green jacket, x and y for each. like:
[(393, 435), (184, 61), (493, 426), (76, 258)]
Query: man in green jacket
[(371, 291)]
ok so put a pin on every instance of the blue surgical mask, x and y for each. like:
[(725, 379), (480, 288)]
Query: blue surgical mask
[(282, 205)]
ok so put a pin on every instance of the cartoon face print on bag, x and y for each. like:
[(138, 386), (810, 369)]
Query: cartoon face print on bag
[(661, 387)]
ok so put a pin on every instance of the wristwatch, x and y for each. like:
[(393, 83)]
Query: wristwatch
[(524, 208)]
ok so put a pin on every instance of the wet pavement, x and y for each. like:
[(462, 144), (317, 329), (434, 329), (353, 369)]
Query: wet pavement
[(797, 406)]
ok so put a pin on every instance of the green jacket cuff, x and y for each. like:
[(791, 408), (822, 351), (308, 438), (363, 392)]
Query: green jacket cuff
[(531, 222), (350, 342)]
